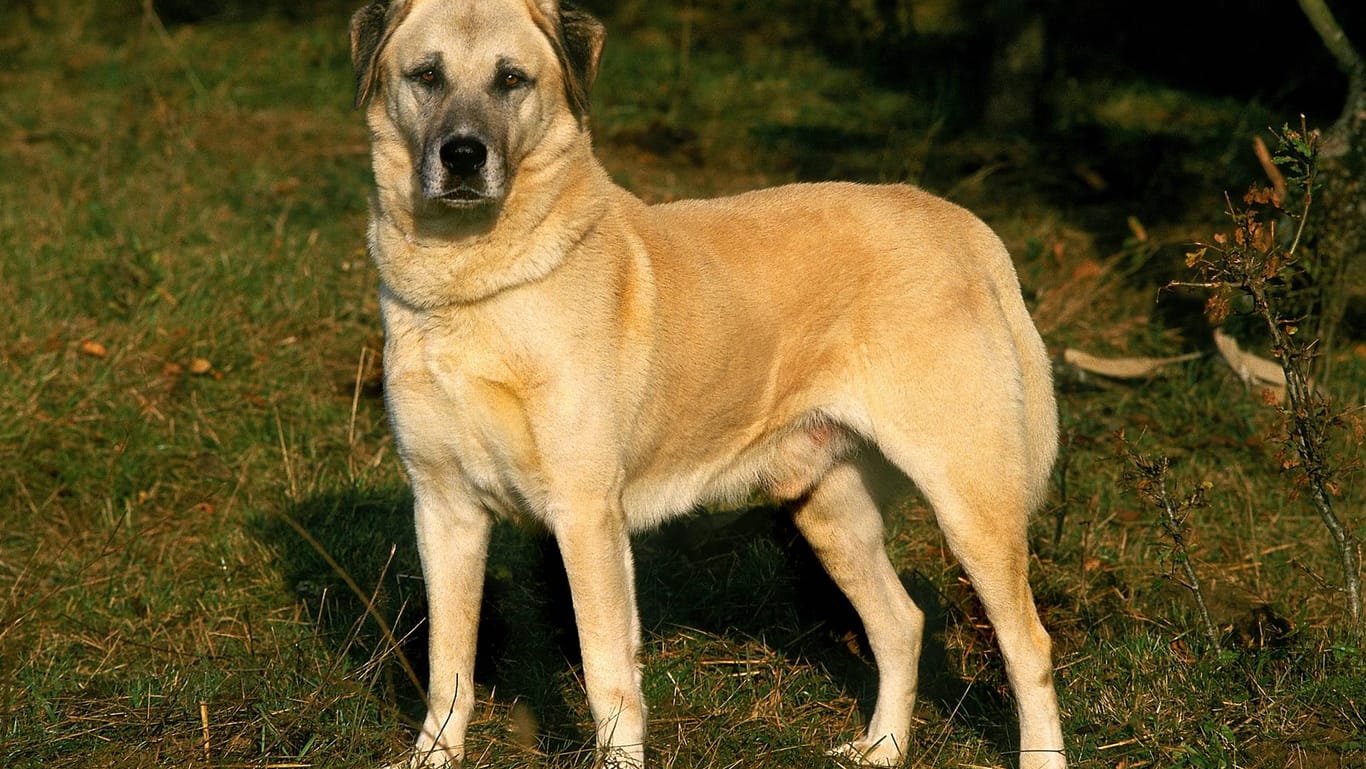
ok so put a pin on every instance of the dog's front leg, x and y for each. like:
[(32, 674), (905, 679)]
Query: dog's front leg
[(452, 538), (597, 559)]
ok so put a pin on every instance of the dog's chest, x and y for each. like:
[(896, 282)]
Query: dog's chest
[(460, 397)]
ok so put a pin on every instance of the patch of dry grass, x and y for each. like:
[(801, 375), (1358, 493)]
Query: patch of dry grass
[(189, 374)]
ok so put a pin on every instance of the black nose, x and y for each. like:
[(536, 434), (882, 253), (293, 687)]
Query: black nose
[(463, 156)]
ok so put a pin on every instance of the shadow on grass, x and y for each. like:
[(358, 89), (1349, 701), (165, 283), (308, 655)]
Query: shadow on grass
[(751, 574), (747, 575), (343, 550)]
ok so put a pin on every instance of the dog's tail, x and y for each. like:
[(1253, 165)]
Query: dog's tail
[(1040, 403)]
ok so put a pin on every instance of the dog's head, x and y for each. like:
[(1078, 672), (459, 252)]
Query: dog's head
[(468, 89)]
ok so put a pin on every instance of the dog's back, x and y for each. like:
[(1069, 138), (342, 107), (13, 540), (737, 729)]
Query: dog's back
[(856, 265)]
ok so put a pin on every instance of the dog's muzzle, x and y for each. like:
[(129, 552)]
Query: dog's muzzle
[(462, 172)]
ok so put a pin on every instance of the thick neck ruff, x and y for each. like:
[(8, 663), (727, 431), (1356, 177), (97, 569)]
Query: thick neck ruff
[(463, 257)]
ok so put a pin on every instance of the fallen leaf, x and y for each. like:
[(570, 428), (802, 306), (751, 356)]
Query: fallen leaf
[(1092, 179), (1122, 368), (1136, 227), (1088, 269), (523, 726), (1253, 370), (287, 186)]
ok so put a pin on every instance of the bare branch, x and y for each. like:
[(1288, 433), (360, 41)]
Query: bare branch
[(1319, 15)]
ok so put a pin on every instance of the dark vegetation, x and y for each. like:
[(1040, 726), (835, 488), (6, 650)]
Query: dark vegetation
[(205, 551)]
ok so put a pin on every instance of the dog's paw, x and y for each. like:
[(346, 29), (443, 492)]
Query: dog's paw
[(620, 758), (429, 762), (865, 752), (1043, 759), (430, 758)]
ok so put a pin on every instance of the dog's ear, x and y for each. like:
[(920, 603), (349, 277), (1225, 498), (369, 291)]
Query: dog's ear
[(370, 27), (577, 39), (583, 39)]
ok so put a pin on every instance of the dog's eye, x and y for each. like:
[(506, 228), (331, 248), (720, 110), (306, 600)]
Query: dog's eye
[(428, 76), (510, 80)]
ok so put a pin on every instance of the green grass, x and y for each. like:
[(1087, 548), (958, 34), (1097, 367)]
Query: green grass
[(189, 377)]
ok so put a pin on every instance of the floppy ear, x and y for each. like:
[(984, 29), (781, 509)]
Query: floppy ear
[(369, 30), (583, 39), (577, 39)]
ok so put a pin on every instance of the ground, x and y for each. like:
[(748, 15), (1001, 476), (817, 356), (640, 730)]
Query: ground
[(206, 557)]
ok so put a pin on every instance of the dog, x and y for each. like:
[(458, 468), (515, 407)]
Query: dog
[(559, 352)]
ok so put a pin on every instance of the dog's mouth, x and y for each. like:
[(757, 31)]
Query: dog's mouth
[(463, 197)]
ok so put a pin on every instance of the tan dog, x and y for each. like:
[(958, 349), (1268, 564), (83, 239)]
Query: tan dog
[(561, 352)]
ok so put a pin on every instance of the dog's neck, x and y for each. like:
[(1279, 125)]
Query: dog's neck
[(465, 257)]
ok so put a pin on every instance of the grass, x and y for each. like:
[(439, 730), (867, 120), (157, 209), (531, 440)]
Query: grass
[(190, 379)]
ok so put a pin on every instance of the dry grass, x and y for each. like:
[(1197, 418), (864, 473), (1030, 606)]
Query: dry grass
[(188, 379)]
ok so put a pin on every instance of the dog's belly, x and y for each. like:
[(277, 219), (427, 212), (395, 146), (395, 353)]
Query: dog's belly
[(479, 441), (781, 466)]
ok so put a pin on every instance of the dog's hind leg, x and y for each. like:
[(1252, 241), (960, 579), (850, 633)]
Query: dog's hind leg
[(843, 525), (970, 472), (990, 543)]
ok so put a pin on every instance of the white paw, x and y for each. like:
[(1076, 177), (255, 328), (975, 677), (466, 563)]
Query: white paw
[(413, 762), (619, 758), (1043, 759), (883, 752), (430, 758)]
